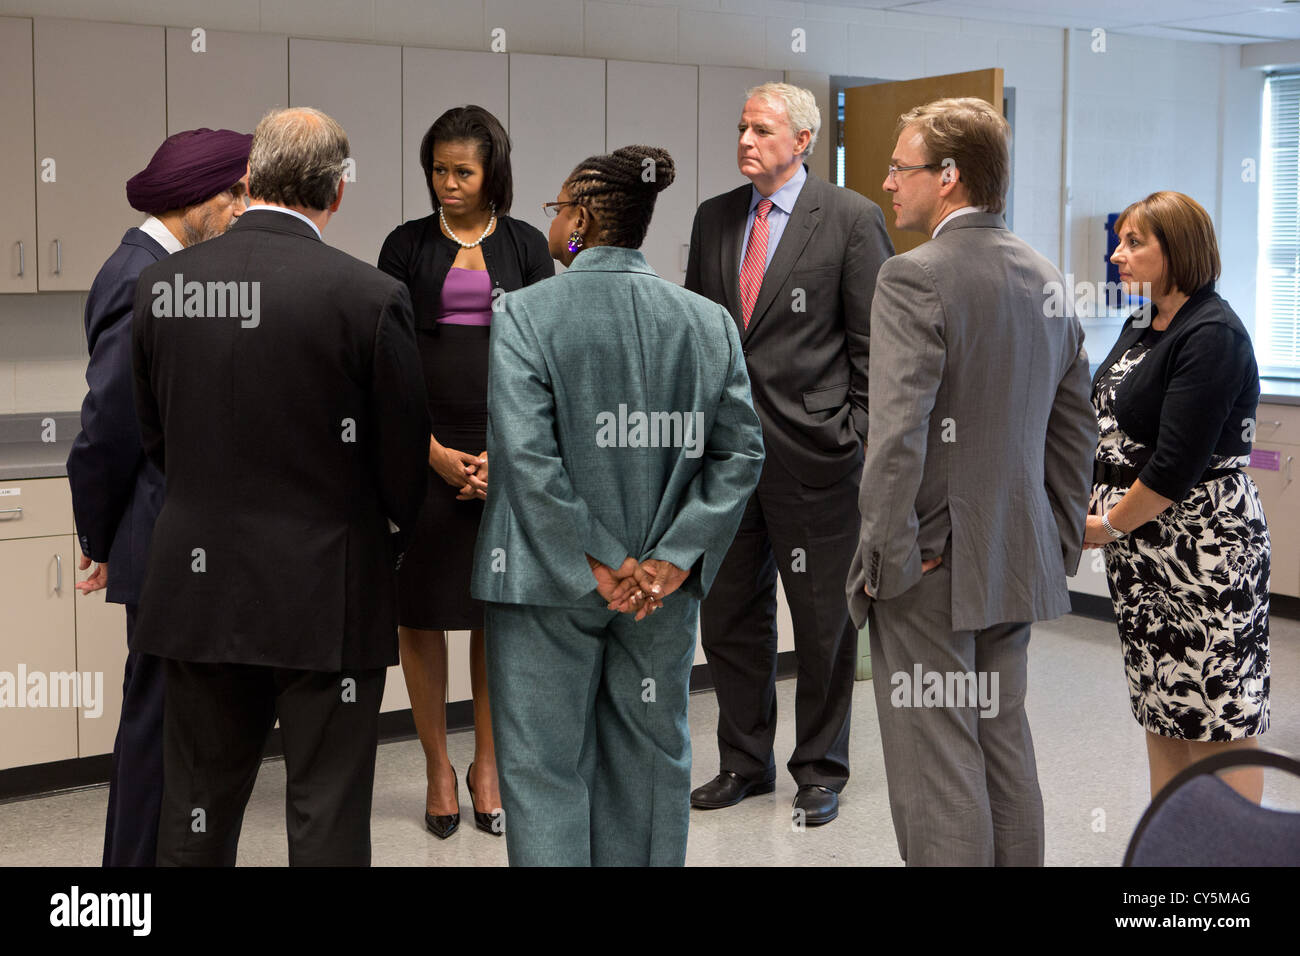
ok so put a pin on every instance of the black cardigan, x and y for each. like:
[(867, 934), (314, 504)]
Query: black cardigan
[(418, 254), (1193, 396)]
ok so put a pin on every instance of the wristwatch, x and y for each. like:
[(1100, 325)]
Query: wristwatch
[(1110, 528)]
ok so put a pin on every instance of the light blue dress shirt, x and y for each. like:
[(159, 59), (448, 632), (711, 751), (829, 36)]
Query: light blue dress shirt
[(782, 203)]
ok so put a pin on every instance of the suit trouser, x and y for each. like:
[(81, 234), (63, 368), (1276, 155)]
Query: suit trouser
[(963, 784), (810, 536), (136, 783), (592, 741), (214, 732)]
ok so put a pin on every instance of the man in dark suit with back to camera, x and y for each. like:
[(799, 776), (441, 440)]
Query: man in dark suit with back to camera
[(192, 190), (974, 492), (279, 390), (794, 259)]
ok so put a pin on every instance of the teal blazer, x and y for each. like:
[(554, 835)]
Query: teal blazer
[(620, 424)]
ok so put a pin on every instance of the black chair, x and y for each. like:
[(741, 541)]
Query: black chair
[(1198, 820)]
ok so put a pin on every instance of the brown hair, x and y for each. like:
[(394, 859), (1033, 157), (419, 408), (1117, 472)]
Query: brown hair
[(975, 137), (1185, 233)]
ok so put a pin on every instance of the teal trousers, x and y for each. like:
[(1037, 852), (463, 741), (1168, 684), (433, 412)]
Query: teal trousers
[(592, 741)]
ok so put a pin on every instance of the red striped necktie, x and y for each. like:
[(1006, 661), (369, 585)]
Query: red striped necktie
[(751, 270)]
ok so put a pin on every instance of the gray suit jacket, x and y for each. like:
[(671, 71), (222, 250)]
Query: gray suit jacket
[(982, 430), (619, 424), (806, 345)]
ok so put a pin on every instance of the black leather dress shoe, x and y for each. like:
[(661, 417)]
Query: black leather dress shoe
[(819, 804), (727, 789)]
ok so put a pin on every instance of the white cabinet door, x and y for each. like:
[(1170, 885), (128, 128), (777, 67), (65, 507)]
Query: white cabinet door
[(360, 86), (722, 97), (101, 112), (17, 158), (557, 119), (224, 80), (101, 649), (433, 81), (644, 105), (38, 654)]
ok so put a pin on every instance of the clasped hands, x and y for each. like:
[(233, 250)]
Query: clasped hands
[(634, 588), (463, 471)]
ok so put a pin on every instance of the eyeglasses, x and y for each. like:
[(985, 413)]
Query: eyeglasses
[(895, 170), (552, 209)]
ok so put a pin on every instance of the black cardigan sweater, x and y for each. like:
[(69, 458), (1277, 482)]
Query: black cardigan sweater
[(418, 254), (1193, 396)]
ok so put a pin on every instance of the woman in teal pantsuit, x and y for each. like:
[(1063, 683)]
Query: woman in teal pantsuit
[(624, 446)]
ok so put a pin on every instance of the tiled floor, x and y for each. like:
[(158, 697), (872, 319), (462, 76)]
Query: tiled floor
[(1091, 765)]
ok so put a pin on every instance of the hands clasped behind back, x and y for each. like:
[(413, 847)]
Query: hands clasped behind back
[(634, 588)]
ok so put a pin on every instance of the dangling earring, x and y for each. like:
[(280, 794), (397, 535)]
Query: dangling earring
[(575, 241)]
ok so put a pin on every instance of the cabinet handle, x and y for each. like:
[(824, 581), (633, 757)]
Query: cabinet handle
[(1289, 460), (58, 257), (58, 574), (11, 511), (22, 259)]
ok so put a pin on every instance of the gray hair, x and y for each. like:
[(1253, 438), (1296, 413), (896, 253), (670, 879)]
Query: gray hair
[(297, 158), (800, 108)]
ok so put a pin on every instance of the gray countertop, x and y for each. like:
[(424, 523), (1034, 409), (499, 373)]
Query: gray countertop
[(24, 452)]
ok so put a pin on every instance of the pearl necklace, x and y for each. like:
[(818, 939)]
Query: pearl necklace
[(457, 239)]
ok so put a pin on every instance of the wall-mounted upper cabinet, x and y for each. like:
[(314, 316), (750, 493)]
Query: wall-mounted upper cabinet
[(224, 80), (433, 81), (722, 97), (17, 159), (643, 105), (557, 119), (359, 85), (101, 112)]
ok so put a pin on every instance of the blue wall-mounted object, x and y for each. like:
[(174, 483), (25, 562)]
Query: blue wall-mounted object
[(1112, 240)]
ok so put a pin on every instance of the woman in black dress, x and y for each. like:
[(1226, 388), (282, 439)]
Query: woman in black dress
[(456, 263), (1186, 543)]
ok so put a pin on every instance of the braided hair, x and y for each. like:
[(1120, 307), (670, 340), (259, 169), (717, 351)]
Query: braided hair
[(619, 190)]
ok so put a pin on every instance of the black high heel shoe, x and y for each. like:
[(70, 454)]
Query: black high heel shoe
[(446, 824), (483, 821)]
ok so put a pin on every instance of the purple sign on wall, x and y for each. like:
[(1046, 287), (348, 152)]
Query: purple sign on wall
[(1266, 460)]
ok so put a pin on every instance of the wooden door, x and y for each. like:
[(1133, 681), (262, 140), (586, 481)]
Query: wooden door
[(870, 117)]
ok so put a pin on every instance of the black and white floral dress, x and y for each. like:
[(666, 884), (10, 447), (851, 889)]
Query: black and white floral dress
[(1190, 591)]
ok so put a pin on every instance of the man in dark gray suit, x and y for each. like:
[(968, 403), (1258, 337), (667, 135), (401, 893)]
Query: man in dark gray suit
[(794, 260), (974, 493)]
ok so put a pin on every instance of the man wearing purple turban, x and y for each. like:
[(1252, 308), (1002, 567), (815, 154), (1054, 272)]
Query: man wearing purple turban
[(193, 189)]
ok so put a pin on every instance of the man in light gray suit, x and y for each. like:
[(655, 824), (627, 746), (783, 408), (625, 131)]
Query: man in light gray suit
[(980, 442)]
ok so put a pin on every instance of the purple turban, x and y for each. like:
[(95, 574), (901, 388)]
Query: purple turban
[(190, 167)]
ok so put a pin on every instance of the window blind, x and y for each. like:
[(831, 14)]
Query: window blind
[(1277, 333)]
